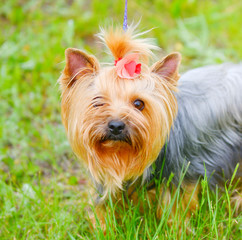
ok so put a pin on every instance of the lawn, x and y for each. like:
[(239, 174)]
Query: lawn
[(43, 188)]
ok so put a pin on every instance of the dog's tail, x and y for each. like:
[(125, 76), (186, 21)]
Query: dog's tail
[(122, 42)]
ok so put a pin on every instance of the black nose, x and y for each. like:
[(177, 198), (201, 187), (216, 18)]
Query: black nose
[(116, 127)]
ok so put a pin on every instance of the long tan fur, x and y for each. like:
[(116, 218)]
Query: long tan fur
[(94, 98), (120, 43)]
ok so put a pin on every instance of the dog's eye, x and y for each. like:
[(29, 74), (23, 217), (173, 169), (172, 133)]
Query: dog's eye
[(96, 102), (98, 105), (139, 104)]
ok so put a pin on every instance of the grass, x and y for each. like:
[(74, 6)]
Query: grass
[(43, 189)]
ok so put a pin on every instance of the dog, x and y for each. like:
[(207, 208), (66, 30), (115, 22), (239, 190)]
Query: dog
[(132, 124)]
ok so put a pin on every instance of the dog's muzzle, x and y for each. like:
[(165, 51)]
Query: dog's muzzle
[(117, 131)]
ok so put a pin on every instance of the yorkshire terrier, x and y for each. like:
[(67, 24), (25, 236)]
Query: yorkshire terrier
[(131, 123)]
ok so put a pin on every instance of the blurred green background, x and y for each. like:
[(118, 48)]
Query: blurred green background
[(35, 157)]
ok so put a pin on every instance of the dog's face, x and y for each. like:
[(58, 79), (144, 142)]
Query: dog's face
[(117, 126)]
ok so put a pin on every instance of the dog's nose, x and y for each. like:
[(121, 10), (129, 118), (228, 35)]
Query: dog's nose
[(116, 127)]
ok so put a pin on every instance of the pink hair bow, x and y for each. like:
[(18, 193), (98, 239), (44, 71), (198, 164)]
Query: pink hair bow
[(127, 67)]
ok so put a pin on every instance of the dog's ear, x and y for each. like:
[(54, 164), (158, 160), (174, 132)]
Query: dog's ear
[(168, 67), (78, 64)]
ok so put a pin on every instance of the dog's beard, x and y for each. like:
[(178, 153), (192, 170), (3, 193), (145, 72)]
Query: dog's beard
[(117, 158)]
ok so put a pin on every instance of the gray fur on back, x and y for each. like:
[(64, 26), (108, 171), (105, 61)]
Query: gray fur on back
[(208, 128)]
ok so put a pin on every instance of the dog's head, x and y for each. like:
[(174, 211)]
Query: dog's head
[(117, 117)]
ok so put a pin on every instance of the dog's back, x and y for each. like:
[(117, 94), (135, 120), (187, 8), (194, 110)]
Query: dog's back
[(207, 132)]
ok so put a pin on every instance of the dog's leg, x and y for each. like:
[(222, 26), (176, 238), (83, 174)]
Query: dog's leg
[(236, 198), (187, 202)]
